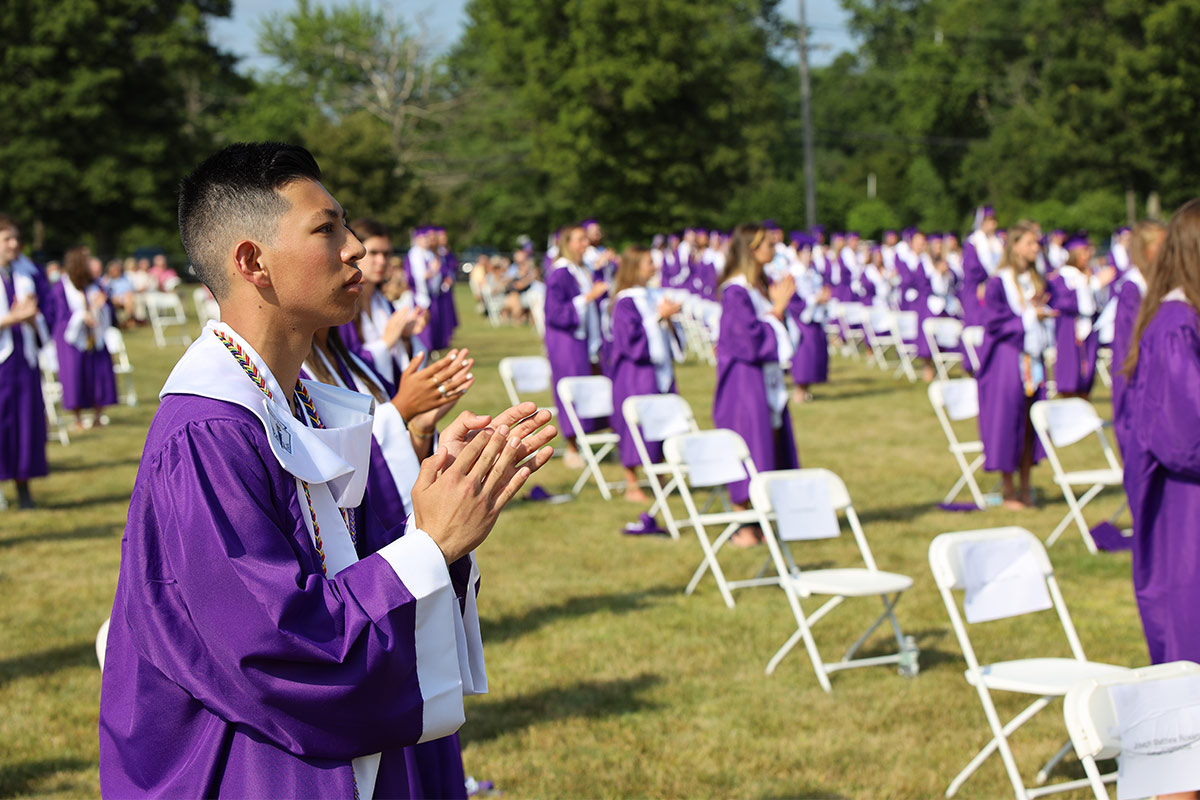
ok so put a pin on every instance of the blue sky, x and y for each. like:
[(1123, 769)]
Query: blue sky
[(445, 19)]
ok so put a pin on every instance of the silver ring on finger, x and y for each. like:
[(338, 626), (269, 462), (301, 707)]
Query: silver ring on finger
[(442, 389)]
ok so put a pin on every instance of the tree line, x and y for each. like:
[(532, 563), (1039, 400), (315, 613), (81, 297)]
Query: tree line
[(650, 115)]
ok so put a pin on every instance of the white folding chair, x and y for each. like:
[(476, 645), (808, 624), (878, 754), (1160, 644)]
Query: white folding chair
[(523, 375), (710, 460), (52, 394), (1092, 723), (537, 309), (1103, 360), (943, 335), (206, 307), (878, 330), (850, 317), (655, 418), (493, 303), (114, 342), (804, 503), (1005, 572), (165, 311), (905, 332), (585, 398), (972, 340), (954, 401), (1062, 423)]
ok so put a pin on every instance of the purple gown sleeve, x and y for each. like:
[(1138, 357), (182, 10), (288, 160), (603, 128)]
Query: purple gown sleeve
[(1168, 422), (628, 332), (560, 311), (744, 337), (1062, 299), (999, 320), (321, 667)]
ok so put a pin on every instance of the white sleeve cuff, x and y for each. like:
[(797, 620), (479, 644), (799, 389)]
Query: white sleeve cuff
[(420, 565)]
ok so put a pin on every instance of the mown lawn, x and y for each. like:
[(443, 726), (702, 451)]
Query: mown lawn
[(606, 681)]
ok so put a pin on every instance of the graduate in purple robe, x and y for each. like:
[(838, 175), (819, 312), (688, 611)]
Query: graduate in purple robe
[(272, 635), (1159, 433), (1075, 293), (425, 278), (808, 311), (447, 314), (22, 411), (1011, 372), (573, 329), (81, 315), (1144, 245), (752, 351), (642, 358), (979, 258)]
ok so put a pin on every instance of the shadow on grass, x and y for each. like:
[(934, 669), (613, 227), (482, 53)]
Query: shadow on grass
[(504, 628), (81, 654), (96, 500), (95, 532), (806, 794), (20, 780), (586, 699), (80, 466), (905, 513)]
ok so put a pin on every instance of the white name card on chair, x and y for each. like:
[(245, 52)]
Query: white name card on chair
[(1070, 422), (661, 418), (711, 462), (906, 325), (803, 509), (530, 376), (947, 336), (1003, 579), (961, 399), (591, 404), (1159, 724)]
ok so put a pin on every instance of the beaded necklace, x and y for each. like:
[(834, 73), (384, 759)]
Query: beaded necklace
[(309, 408)]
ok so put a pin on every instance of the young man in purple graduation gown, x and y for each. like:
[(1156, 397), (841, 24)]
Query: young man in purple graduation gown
[(573, 337), (753, 347), (271, 635), (1144, 245), (641, 354), (22, 412), (1011, 373), (81, 315), (1159, 433)]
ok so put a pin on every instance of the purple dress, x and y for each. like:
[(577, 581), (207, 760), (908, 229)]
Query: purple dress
[(1129, 305), (568, 355), (974, 275), (632, 373), (447, 315), (1160, 440), (1003, 403), (810, 362), (1075, 364), (740, 402), (22, 411), (262, 677), (86, 375)]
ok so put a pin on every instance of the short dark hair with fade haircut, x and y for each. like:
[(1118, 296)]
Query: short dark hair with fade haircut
[(232, 194), (366, 227)]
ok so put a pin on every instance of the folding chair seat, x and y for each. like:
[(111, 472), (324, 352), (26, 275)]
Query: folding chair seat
[(1061, 423), (655, 418), (711, 460), (114, 342), (972, 340), (955, 401), (1005, 572), (1093, 721), (804, 504), (586, 398), (165, 311), (525, 375), (905, 331), (944, 336)]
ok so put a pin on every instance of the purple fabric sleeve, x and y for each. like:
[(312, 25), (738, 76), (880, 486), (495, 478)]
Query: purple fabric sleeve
[(561, 287), (744, 337)]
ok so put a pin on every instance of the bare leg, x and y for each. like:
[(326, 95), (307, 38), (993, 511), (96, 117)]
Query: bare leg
[(747, 535), (633, 492), (1027, 464), (572, 458), (1011, 502)]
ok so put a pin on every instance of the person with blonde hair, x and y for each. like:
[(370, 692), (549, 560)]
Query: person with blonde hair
[(753, 350), (1144, 244), (1011, 371)]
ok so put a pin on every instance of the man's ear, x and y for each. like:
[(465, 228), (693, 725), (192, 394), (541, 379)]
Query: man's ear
[(247, 263)]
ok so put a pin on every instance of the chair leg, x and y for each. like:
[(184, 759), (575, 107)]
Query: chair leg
[(710, 562), (999, 741), (1044, 773)]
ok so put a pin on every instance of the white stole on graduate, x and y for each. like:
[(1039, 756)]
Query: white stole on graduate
[(1135, 276), (373, 321), (588, 314), (772, 371), (1019, 292), (78, 333), (657, 337), (23, 286), (419, 266), (334, 462), (1085, 296), (1120, 256), (987, 250)]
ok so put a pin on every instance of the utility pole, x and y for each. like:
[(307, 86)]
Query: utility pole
[(810, 177)]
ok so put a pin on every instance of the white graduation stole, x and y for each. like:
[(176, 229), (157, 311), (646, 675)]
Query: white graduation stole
[(657, 337), (773, 379), (23, 286)]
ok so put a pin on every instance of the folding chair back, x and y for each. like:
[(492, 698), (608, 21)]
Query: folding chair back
[(711, 459), (877, 328), (804, 504), (114, 342), (943, 334), (206, 307), (972, 340), (589, 397), (905, 330), (1005, 572), (1061, 423), (166, 311), (537, 309), (662, 416), (1091, 715), (955, 401), (524, 375)]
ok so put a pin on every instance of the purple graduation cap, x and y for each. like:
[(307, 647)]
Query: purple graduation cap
[(771, 225), (658, 241), (795, 237), (982, 213), (934, 237), (817, 230), (1078, 240), (890, 233), (852, 235)]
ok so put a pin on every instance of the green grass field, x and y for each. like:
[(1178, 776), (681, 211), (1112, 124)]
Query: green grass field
[(606, 680)]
